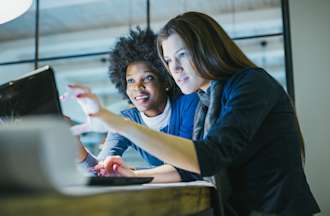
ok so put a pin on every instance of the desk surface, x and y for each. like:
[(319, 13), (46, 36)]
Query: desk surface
[(148, 199)]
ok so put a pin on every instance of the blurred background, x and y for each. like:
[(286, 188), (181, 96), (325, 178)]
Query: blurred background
[(75, 36)]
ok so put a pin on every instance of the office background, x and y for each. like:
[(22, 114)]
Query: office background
[(311, 62), (75, 36)]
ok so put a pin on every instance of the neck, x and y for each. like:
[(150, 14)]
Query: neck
[(205, 86), (157, 110)]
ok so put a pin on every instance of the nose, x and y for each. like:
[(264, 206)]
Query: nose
[(176, 67), (138, 86)]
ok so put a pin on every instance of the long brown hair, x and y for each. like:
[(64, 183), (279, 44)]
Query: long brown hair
[(214, 54)]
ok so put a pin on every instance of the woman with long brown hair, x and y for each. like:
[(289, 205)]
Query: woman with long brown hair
[(245, 123)]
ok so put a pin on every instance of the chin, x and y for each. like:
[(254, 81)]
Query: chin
[(141, 108), (187, 91)]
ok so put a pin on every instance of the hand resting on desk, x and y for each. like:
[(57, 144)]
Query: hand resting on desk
[(113, 166)]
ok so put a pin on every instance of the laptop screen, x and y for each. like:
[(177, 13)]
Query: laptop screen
[(33, 94)]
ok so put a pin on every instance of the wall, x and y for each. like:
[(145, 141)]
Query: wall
[(310, 31)]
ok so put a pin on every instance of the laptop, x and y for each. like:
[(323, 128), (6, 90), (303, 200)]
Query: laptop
[(35, 95), (32, 94)]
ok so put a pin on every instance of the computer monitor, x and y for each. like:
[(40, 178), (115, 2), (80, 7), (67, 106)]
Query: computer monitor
[(33, 94)]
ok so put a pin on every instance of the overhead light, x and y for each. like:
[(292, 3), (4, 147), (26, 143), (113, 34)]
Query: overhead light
[(10, 9)]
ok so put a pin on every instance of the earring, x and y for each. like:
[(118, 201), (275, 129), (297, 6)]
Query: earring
[(167, 89)]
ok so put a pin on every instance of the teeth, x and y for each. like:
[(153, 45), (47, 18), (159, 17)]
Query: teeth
[(141, 97)]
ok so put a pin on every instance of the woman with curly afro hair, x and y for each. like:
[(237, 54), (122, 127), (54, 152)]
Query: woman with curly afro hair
[(139, 75), (139, 46)]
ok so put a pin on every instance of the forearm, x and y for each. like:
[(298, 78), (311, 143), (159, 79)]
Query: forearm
[(82, 152), (85, 157), (165, 173), (173, 150)]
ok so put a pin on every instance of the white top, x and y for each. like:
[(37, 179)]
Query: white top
[(160, 121)]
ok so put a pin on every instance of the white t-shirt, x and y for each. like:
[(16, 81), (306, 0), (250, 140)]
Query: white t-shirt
[(160, 121)]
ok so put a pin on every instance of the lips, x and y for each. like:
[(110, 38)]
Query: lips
[(182, 79), (141, 97)]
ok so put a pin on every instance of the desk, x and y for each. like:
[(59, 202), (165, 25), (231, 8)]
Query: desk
[(149, 199)]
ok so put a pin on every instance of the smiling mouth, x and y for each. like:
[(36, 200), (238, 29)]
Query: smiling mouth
[(142, 98)]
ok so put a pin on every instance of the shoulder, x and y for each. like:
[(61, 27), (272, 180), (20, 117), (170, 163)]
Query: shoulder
[(256, 75), (253, 84), (185, 99), (185, 103), (256, 78)]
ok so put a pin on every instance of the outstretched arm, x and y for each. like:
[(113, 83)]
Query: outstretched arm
[(174, 150), (177, 151)]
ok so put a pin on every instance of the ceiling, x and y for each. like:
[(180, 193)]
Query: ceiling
[(71, 27), (63, 16)]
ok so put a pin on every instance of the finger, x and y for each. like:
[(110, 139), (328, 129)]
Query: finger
[(115, 159), (99, 166), (87, 95), (67, 118), (79, 129), (102, 114), (104, 172), (108, 165), (112, 163), (93, 115), (115, 167), (79, 86)]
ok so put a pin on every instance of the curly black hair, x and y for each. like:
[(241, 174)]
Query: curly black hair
[(138, 46)]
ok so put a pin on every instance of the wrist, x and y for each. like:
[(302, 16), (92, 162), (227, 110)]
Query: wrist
[(82, 154), (121, 125)]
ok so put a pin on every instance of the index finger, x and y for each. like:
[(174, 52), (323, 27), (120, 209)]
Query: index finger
[(79, 86), (111, 163)]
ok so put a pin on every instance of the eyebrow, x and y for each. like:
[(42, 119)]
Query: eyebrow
[(146, 71), (182, 48)]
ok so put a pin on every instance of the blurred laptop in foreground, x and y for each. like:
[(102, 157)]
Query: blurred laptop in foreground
[(37, 148)]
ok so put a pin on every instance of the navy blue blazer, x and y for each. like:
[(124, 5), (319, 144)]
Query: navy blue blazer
[(256, 137)]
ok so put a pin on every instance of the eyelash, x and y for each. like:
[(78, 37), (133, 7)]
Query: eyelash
[(181, 54), (147, 78)]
